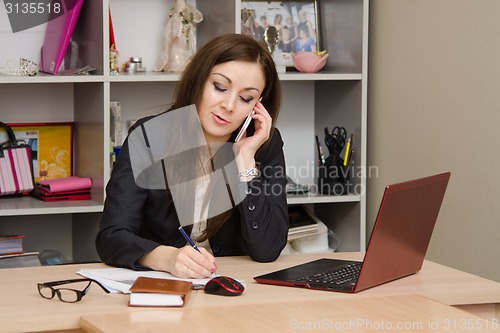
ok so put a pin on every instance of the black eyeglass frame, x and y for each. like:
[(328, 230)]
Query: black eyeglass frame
[(79, 293)]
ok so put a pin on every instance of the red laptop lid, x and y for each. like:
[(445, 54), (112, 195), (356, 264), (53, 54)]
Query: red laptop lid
[(403, 229)]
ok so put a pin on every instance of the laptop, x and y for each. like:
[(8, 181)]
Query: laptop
[(397, 247)]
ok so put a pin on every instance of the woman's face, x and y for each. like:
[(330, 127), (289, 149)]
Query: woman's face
[(229, 95)]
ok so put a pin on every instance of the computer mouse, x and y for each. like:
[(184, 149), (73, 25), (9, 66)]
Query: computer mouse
[(224, 286)]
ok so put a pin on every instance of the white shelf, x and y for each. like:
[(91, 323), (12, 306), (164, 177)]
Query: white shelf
[(144, 77), (318, 199), (161, 77), (47, 78), (323, 76), (17, 206)]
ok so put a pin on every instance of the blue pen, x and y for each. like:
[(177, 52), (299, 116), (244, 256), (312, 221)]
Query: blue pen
[(189, 240)]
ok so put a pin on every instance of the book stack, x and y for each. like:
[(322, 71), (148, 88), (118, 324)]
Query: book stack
[(61, 189), (301, 222), (26, 259), (12, 253), (307, 233), (10, 244)]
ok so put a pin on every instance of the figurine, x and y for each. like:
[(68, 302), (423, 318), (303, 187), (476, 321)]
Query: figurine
[(113, 60), (179, 37)]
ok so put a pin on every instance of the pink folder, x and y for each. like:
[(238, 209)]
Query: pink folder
[(72, 183), (57, 38)]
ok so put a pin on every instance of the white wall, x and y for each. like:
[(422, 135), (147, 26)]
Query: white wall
[(434, 106)]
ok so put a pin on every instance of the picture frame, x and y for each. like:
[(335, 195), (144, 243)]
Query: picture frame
[(51, 145), (292, 21)]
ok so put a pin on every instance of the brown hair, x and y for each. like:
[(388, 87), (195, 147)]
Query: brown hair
[(222, 49), (225, 48)]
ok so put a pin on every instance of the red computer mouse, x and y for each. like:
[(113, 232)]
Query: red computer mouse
[(224, 286)]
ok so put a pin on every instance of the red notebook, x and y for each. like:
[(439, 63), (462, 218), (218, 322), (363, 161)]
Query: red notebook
[(61, 196), (57, 38)]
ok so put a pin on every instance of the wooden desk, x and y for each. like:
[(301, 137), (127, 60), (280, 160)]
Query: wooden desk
[(22, 309), (402, 313)]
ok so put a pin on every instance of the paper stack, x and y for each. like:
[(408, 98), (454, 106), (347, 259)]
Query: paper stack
[(119, 280), (25, 259), (60, 189), (301, 222)]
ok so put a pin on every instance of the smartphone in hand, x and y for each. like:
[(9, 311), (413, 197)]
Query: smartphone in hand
[(244, 127)]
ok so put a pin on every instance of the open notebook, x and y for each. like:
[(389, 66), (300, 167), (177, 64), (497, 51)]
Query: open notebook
[(119, 280)]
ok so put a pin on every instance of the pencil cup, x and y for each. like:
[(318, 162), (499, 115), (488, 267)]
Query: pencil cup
[(333, 176)]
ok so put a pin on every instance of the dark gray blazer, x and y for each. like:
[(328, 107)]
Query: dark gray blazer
[(136, 220)]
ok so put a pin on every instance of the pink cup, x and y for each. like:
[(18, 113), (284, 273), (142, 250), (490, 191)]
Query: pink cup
[(309, 62)]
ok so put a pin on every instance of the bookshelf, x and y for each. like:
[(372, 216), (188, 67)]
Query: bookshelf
[(335, 96)]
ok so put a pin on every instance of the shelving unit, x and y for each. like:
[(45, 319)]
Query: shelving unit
[(334, 96)]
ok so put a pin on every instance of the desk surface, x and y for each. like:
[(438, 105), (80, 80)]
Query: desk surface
[(402, 313), (22, 309)]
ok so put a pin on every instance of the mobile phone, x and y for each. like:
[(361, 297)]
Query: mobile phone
[(245, 125)]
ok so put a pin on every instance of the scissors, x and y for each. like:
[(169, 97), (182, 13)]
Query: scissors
[(335, 141)]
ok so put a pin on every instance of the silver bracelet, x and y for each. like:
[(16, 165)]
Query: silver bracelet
[(249, 172)]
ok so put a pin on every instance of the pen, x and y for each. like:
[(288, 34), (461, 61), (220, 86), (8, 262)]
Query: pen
[(189, 240), (320, 152)]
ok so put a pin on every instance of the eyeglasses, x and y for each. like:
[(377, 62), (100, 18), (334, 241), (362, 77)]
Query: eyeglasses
[(68, 295)]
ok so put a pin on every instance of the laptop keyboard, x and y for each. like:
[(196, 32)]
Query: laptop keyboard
[(339, 276)]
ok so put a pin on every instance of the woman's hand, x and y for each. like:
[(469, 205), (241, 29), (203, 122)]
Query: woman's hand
[(262, 124), (185, 262), (246, 148), (193, 264)]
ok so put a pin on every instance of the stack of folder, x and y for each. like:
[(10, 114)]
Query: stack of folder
[(302, 222), (61, 189)]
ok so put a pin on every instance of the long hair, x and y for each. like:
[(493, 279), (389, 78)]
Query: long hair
[(225, 48), (222, 49)]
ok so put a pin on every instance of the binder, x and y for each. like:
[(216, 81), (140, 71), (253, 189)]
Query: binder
[(57, 38)]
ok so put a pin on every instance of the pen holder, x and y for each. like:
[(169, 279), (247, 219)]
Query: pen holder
[(333, 176)]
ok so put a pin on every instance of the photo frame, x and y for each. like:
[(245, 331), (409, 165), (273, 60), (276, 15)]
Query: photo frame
[(51, 145), (284, 26)]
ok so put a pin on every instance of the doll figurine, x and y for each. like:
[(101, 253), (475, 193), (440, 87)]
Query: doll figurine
[(179, 42)]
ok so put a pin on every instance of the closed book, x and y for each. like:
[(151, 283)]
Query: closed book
[(11, 244), (27, 259), (146, 291)]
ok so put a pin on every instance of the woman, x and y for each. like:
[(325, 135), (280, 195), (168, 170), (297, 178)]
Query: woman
[(305, 42), (305, 23), (139, 227), (292, 27)]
